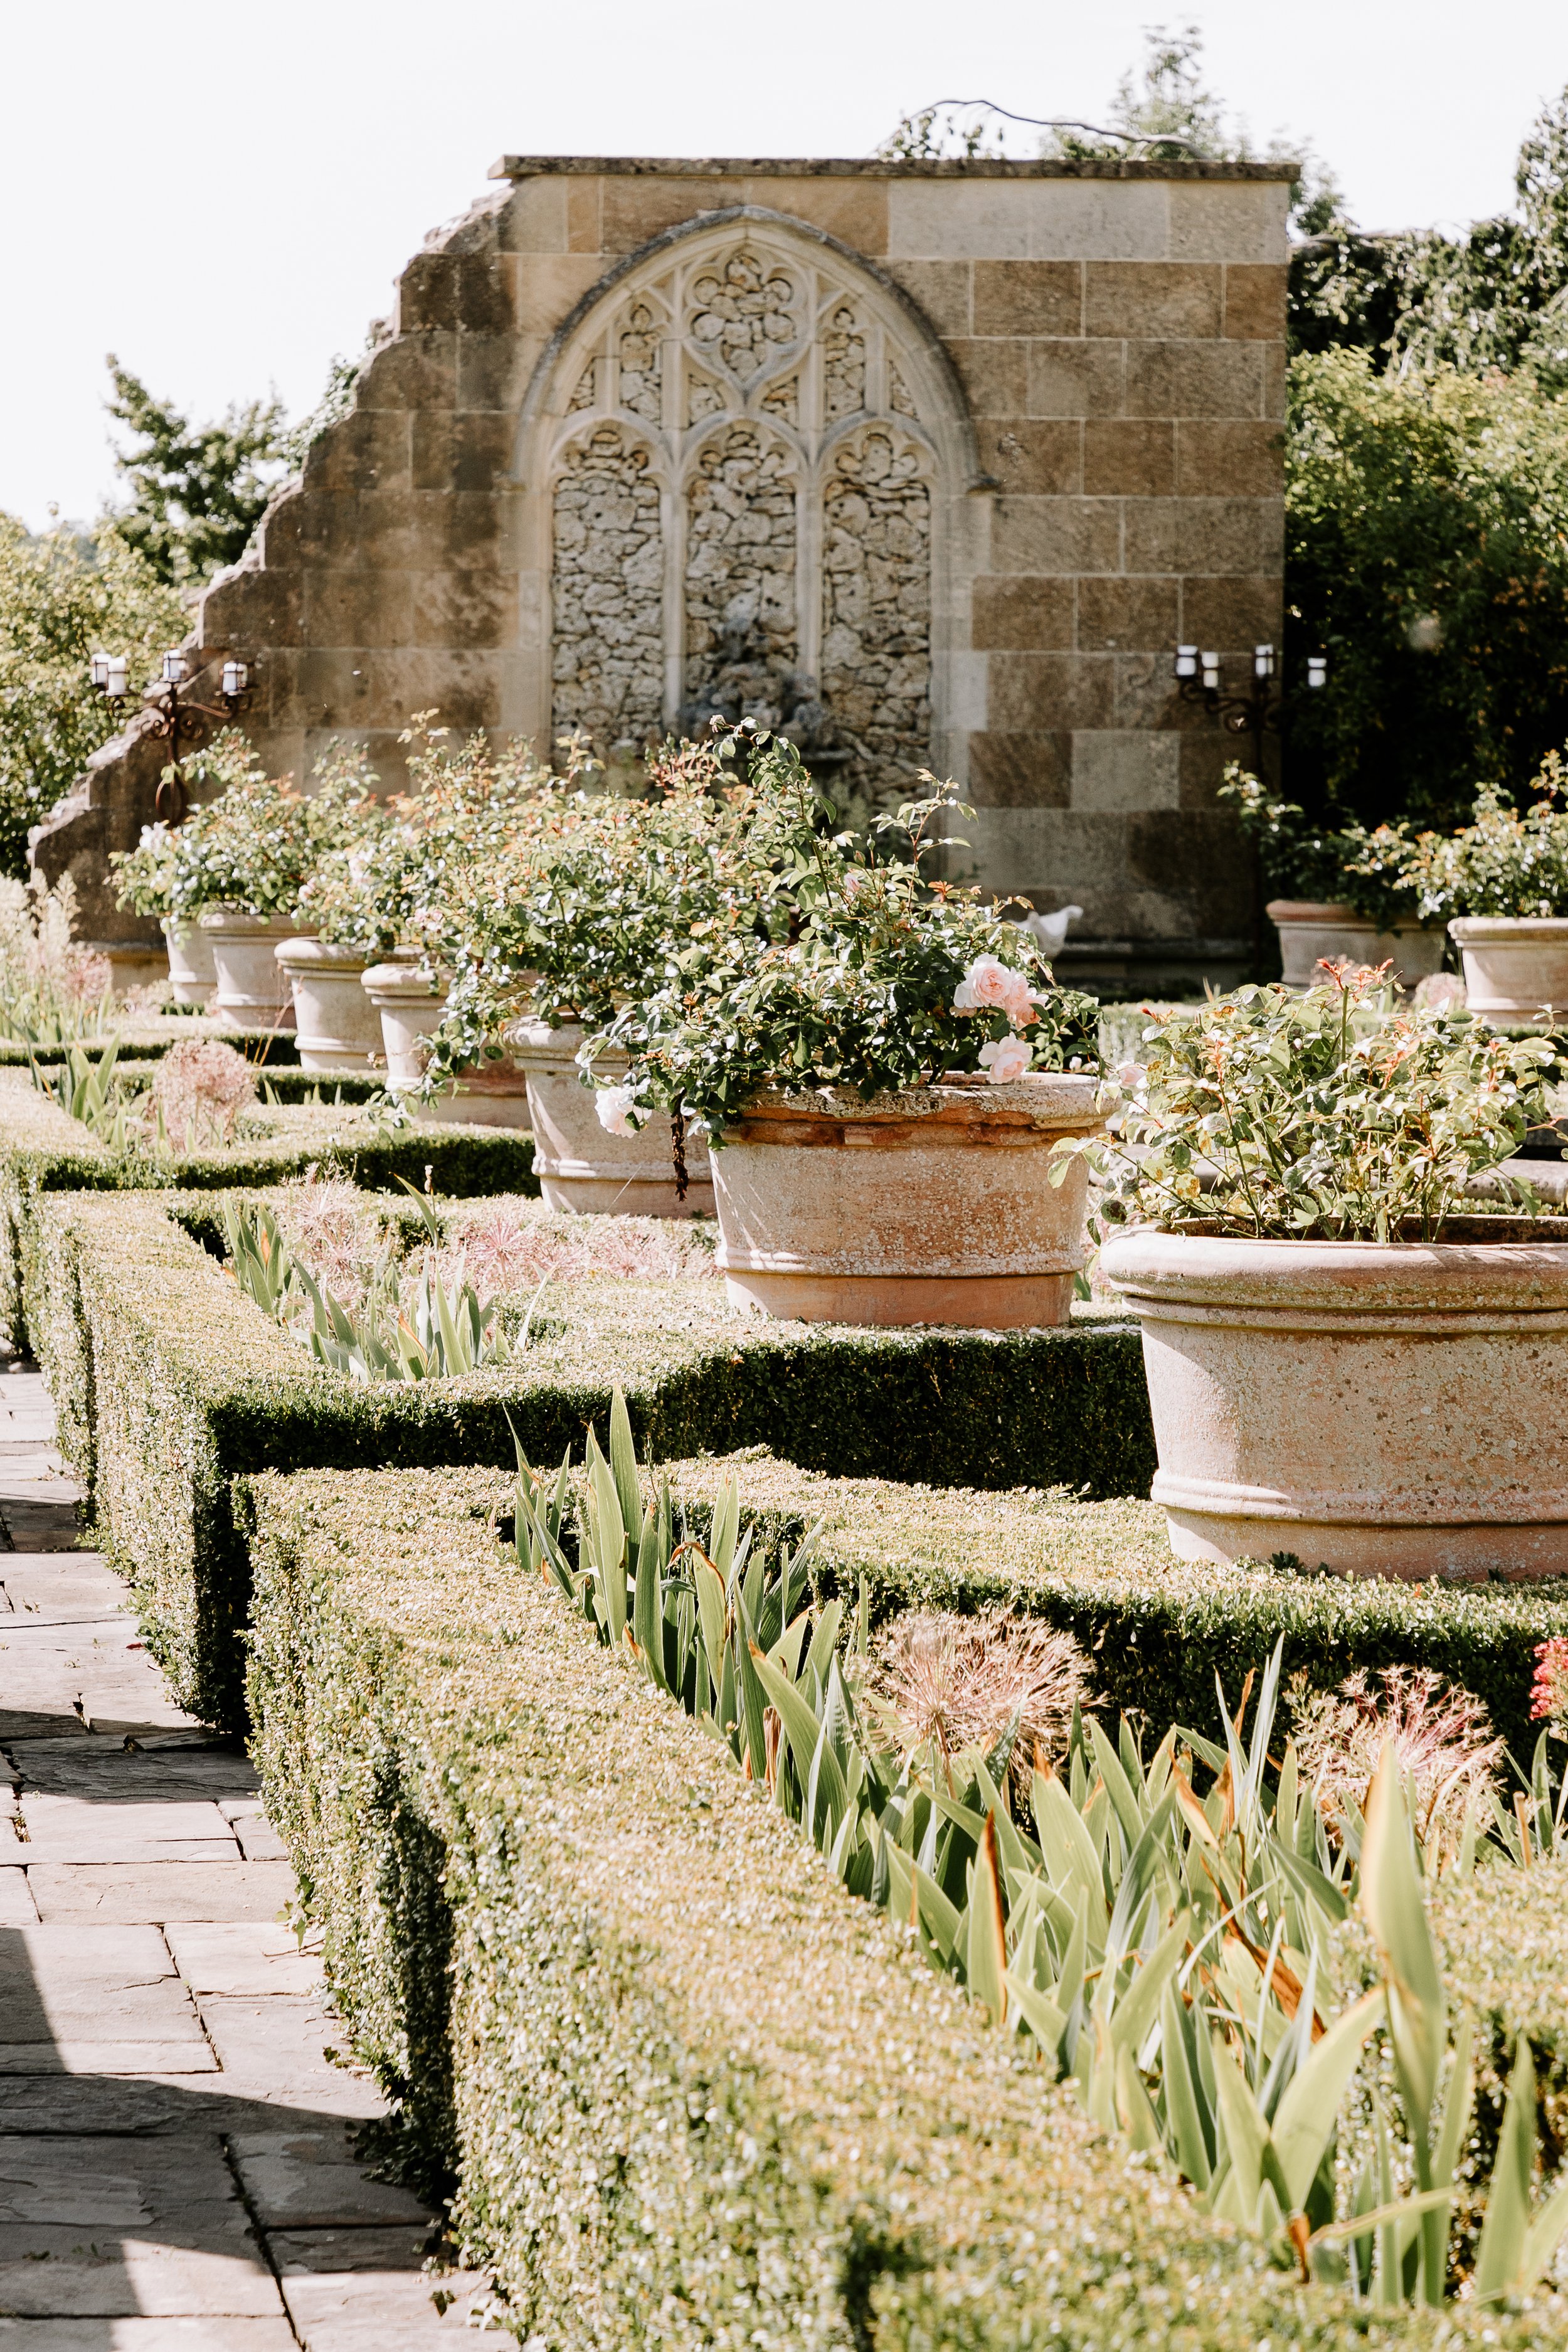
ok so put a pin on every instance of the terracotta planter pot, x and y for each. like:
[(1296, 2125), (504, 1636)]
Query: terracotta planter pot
[(408, 1009), (192, 974), (579, 1165), (934, 1206), (1313, 932), (1516, 966), (252, 991), (335, 1023), (1395, 1408)]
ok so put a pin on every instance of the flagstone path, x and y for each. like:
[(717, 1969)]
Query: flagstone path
[(176, 2157)]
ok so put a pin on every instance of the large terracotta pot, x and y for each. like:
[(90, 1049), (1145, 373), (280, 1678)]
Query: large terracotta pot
[(579, 1165), (1388, 1409), (252, 990), (1313, 932), (335, 1023), (1516, 966), (933, 1206), (192, 974)]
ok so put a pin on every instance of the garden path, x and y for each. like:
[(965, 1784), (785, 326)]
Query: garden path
[(176, 2159)]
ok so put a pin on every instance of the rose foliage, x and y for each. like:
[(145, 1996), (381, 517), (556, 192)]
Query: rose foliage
[(840, 964), (1276, 1116)]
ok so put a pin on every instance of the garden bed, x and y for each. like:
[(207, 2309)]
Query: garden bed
[(171, 1384), (44, 1150), (148, 1037), (701, 2093)]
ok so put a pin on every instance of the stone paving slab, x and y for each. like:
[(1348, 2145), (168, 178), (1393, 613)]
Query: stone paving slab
[(93, 1984), (309, 2179), (137, 1892), (173, 2332), (250, 1958), (177, 2159), (367, 2290)]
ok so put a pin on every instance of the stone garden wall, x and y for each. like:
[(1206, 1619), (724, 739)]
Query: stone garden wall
[(930, 464)]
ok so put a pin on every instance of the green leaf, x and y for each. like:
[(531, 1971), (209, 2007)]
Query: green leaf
[(648, 1603), (1184, 2102), (710, 1589), (1305, 2118), (1505, 2231), (624, 1461), (800, 1726), (1390, 1898), (986, 1954)]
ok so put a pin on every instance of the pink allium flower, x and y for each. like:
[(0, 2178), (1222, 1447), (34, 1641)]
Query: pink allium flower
[(1005, 1059)]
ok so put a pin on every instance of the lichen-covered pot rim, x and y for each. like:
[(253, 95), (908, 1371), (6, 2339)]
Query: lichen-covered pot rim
[(1332, 913), (305, 950)]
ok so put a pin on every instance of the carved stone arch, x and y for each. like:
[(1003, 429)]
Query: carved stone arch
[(786, 393)]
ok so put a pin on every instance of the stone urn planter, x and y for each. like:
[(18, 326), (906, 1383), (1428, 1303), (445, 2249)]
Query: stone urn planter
[(581, 1167), (253, 993), (1386, 1409), (1516, 966), (1313, 931), (408, 1009), (192, 974), (932, 1206), (335, 1024)]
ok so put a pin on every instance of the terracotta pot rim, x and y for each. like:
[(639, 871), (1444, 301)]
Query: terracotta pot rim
[(960, 1095), (323, 955), (1333, 914), (1483, 930), (244, 926), (1520, 1271)]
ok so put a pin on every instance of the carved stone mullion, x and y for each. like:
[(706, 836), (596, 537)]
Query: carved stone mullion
[(877, 401), (672, 521)]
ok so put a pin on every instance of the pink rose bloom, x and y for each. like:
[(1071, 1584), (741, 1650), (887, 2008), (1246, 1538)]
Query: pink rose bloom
[(1005, 1059), (987, 982)]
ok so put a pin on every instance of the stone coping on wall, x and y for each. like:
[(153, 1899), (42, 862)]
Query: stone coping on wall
[(880, 167)]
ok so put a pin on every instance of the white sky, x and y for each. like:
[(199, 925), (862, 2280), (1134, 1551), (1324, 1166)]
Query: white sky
[(223, 198)]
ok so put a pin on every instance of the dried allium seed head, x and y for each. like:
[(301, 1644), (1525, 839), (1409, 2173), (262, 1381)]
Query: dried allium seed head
[(201, 1087), (950, 1681), (509, 1252), (1442, 1734)]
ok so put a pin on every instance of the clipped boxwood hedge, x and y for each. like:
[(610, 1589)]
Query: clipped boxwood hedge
[(171, 1384), (44, 1150), (694, 2093), (148, 1037), (1158, 1629)]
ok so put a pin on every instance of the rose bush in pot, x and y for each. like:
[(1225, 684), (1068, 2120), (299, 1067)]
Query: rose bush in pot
[(1342, 1366), (622, 894), (1337, 892), (1501, 886), (420, 898), (237, 866), (883, 1067)]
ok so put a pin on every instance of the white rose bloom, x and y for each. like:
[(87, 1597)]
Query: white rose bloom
[(619, 1110)]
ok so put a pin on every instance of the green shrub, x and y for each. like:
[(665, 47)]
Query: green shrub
[(149, 1035), (194, 1385), (693, 2091)]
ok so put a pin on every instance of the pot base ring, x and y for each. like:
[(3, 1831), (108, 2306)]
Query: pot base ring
[(623, 1196), (1464, 1553), (987, 1302)]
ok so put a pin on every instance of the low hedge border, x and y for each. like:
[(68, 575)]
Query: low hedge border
[(1158, 1630), (44, 1150), (189, 1385), (147, 1039), (694, 2093)]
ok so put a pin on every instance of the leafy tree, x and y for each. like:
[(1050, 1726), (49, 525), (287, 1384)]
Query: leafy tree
[(197, 491), (62, 598), (1427, 549)]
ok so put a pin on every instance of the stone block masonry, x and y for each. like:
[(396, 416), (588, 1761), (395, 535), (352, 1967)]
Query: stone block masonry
[(932, 464)]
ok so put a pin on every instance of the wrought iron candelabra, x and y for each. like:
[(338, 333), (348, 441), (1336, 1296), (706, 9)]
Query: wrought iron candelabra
[(176, 716)]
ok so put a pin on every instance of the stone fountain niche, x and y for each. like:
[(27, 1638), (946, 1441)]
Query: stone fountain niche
[(741, 513)]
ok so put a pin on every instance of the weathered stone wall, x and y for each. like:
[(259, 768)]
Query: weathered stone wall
[(979, 442)]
